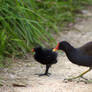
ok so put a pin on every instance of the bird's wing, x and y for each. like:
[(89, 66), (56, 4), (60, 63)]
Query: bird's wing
[(86, 49)]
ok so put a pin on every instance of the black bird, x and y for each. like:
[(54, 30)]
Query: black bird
[(46, 57), (81, 56)]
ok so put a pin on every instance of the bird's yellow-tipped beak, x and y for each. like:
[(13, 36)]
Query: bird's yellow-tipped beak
[(54, 49)]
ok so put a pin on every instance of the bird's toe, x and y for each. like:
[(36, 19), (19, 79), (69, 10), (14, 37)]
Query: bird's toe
[(66, 80), (48, 74)]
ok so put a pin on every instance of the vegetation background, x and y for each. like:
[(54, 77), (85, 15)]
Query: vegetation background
[(26, 23)]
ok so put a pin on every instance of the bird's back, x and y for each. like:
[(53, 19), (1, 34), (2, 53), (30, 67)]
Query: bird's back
[(86, 49)]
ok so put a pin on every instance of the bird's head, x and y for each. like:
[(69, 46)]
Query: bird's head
[(37, 49), (61, 46)]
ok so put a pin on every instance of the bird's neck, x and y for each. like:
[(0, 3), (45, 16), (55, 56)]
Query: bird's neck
[(69, 49)]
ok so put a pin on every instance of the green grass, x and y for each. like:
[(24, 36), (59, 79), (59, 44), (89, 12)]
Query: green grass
[(27, 23)]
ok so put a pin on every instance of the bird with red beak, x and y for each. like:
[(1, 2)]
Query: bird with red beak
[(81, 56)]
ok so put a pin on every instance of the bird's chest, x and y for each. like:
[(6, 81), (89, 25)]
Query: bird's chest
[(75, 58), (72, 58), (40, 58)]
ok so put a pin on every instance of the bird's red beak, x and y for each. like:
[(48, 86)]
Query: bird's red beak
[(33, 50), (57, 47)]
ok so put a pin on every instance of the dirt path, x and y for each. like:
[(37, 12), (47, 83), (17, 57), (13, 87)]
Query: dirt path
[(22, 71)]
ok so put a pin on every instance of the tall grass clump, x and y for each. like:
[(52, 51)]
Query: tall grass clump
[(25, 23), (20, 27)]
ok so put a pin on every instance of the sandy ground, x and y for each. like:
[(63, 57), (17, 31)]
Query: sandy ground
[(23, 72)]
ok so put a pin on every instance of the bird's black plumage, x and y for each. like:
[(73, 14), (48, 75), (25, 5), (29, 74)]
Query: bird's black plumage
[(45, 56), (80, 56)]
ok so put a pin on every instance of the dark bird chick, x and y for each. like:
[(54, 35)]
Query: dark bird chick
[(46, 57), (81, 56)]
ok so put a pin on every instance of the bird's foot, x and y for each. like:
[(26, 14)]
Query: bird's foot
[(68, 79), (71, 79), (84, 78), (45, 74), (79, 76), (85, 81)]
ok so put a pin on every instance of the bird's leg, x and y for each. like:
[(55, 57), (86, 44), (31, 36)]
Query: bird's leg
[(47, 69), (81, 75)]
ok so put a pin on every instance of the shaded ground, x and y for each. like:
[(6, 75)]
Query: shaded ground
[(23, 72)]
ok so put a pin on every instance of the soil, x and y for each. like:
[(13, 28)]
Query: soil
[(20, 76)]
